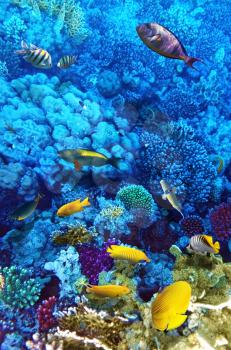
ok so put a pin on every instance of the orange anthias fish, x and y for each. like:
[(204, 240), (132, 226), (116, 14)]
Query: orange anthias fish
[(127, 253), (169, 307), (110, 290), (164, 42), (73, 207)]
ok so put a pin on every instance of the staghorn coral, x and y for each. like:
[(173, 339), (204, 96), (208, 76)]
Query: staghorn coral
[(20, 290), (73, 235), (220, 219), (209, 276), (87, 323)]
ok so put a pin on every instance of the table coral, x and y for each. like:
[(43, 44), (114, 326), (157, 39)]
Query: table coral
[(20, 291)]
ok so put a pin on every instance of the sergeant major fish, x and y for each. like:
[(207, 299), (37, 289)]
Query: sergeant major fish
[(127, 253), (26, 209), (164, 42), (81, 157), (170, 195), (203, 244), (110, 290), (66, 61), (73, 207), (38, 57)]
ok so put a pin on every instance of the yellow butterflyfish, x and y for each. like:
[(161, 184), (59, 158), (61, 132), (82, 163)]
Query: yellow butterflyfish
[(169, 307)]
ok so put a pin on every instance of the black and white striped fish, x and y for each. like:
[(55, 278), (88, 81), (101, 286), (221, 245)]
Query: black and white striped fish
[(66, 61), (203, 244), (38, 57)]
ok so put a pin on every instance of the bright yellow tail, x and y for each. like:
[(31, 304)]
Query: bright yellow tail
[(85, 202), (216, 247)]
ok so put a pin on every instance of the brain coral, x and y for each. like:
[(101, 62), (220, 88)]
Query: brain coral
[(36, 105), (176, 154)]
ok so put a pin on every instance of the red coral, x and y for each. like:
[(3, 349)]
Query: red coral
[(220, 219), (45, 314), (192, 225)]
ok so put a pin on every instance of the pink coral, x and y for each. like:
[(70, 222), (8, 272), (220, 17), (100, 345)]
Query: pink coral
[(192, 225), (220, 219), (45, 314)]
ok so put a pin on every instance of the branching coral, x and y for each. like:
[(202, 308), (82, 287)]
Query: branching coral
[(177, 155), (45, 314), (20, 290), (73, 235), (192, 225), (87, 323)]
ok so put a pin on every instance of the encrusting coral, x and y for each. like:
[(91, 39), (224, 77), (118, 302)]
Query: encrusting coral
[(209, 276)]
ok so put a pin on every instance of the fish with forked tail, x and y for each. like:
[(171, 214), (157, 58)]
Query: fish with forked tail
[(164, 42), (170, 195), (38, 57), (82, 157)]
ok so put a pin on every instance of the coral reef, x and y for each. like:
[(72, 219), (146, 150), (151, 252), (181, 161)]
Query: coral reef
[(192, 225), (20, 290), (220, 218), (209, 276), (73, 235), (45, 314)]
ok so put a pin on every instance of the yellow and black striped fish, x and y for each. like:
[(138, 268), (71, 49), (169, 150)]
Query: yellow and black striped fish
[(66, 61), (203, 244), (38, 57)]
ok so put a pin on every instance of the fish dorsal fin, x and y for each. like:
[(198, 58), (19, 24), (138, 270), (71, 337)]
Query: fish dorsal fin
[(33, 47), (208, 240), (24, 45)]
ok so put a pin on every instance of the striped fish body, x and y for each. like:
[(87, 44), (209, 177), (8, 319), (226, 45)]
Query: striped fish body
[(126, 253), (66, 61), (203, 244), (38, 57), (110, 290)]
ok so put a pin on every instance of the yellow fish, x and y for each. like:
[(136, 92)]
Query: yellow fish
[(26, 209), (82, 157), (169, 307), (170, 195), (110, 290), (127, 253), (73, 207)]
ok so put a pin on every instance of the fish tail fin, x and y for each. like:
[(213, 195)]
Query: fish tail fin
[(190, 60), (24, 47), (85, 202), (114, 162), (216, 247)]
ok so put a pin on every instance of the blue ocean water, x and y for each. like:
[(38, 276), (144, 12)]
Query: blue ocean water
[(115, 175)]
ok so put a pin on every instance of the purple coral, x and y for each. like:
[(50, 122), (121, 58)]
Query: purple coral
[(94, 260), (192, 225), (220, 219)]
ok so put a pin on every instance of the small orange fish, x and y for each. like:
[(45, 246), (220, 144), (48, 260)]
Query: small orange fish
[(110, 290), (127, 253), (73, 207)]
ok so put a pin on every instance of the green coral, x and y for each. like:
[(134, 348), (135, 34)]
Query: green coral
[(208, 276), (112, 212), (74, 235), (20, 290), (139, 202)]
